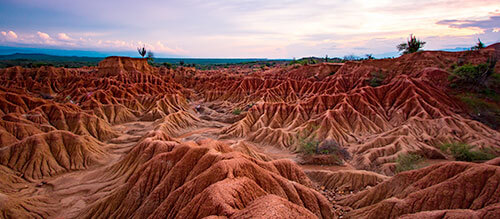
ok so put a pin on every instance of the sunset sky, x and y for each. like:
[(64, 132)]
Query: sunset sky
[(246, 28)]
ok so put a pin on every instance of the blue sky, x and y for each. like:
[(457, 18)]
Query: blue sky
[(245, 28)]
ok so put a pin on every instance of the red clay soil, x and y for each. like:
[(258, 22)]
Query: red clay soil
[(453, 188), (127, 140)]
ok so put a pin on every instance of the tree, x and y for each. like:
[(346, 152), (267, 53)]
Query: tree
[(479, 45), (412, 45), (369, 56), (142, 51), (351, 57), (151, 55)]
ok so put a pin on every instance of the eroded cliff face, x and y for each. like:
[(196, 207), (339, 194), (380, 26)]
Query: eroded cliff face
[(116, 65), (129, 140)]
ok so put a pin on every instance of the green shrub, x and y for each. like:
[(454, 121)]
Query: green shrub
[(308, 146), (412, 45), (351, 57), (482, 85), (472, 75), (462, 152), (376, 79), (237, 111), (304, 61), (483, 111), (307, 141), (167, 65), (409, 161), (479, 45)]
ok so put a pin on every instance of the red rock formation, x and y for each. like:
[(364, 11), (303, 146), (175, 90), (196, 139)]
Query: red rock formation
[(452, 187), (199, 181), (31, 207), (56, 120), (52, 153), (116, 65), (346, 179), (410, 112)]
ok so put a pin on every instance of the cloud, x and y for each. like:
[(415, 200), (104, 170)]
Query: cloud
[(82, 41), (159, 46), (250, 28), (43, 36), (63, 36), (492, 22), (10, 35)]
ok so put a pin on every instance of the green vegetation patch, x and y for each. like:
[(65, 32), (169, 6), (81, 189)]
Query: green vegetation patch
[(463, 152), (237, 111), (478, 87), (472, 76), (409, 161), (483, 111), (376, 79)]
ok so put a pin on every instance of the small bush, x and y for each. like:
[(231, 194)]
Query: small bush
[(237, 111), (483, 111), (462, 152), (412, 45), (479, 45), (337, 159), (472, 76), (308, 146), (376, 79), (409, 161), (351, 57), (304, 61), (167, 65), (307, 142), (328, 147), (151, 56)]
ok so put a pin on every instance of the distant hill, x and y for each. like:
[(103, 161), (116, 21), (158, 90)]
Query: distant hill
[(203, 61), (44, 57), (37, 59)]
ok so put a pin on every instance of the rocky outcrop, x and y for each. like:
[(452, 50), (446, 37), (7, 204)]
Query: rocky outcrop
[(457, 188), (195, 181), (51, 153)]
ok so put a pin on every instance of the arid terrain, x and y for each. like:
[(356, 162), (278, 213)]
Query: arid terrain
[(127, 140)]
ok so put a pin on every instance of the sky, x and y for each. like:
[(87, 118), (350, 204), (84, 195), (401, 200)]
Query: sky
[(245, 28)]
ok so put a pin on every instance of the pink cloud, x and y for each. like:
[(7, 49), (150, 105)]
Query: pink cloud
[(43, 36), (79, 41), (63, 36), (10, 35)]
